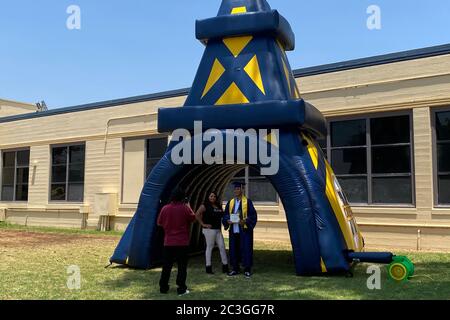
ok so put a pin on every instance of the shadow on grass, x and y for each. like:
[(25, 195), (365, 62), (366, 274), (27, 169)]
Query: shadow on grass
[(274, 278)]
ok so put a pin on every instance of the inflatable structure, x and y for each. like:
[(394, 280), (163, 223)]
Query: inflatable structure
[(245, 82)]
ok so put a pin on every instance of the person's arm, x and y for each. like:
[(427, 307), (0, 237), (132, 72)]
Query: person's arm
[(252, 216), (226, 217), (190, 214), (199, 215)]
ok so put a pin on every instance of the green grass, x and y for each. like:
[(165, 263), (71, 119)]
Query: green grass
[(34, 261), (10, 226)]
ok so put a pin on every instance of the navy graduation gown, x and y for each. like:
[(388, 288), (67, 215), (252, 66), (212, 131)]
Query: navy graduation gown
[(241, 244)]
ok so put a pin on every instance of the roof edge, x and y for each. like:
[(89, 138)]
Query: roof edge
[(304, 72), (374, 61)]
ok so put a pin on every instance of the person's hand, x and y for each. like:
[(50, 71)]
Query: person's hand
[(229, 222), (242, 222), (207, 226)]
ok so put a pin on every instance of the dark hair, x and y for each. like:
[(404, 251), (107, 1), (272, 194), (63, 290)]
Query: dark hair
[(178, 195), (208, 203)]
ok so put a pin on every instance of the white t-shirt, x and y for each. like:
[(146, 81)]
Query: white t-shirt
[(237, 203)]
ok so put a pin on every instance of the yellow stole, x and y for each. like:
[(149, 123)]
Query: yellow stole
[(244, 204)]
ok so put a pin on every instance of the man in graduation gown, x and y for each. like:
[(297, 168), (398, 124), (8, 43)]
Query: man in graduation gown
[(240, 219)]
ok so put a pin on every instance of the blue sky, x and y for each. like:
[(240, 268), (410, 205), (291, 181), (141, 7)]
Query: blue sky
[(128, 48)]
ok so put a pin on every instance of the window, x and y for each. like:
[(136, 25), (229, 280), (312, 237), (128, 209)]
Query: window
[(259, 187), (442, 125), (372, 159), (15, 175), (67, 175), (155, 150)]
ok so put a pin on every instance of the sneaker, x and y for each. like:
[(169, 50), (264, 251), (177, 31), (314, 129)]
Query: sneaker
[(184, 293), (233, 273), (247, 274)]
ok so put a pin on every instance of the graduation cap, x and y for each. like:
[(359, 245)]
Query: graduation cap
[(238, 184)]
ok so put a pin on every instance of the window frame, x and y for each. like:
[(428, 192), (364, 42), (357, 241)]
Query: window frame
[(146, 146), (15, 173), (66, 145), (248, 181), (436, 174), (368, 117)]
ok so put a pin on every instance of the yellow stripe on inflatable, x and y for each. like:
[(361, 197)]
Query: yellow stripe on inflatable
[(237, 44), (338, 211), (253, 71), (322, 265), (239, 10), (217, 71), (233, 95), (312, 150)]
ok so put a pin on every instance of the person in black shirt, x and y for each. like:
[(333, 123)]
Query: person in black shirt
[(210, 217)]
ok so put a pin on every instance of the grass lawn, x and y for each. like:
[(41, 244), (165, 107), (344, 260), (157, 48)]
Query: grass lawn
[(34, 261)]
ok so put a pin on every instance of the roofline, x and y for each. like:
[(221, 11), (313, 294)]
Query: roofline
[(24, 104), (304, 72), (374, 61)]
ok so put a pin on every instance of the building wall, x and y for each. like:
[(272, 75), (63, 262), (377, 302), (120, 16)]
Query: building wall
[(416, 85), (12, 108)]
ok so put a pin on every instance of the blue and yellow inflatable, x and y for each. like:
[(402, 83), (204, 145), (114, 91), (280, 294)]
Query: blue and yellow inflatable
[(245, 81)]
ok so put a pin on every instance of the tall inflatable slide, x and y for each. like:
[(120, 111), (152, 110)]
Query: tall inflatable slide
[(245, 81)]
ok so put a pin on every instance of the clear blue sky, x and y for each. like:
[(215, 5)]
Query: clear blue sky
[(127, 48)]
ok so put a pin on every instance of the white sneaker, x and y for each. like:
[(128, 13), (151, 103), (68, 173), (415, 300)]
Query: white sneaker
[(185, 293)]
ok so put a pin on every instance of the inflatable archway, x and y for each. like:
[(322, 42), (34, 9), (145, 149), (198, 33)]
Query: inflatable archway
[(245, 82)]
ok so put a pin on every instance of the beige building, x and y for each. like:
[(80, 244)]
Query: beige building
[(389, 143)]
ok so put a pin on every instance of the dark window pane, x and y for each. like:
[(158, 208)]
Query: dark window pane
[(23, 158), (59, 155), (262, 190), (443, 157), (76, 173), (349, 161), (75, 192), (156, 148), (355, 188), (443, 125), (9, 159), (390, 130), (444, 189), (8, 176), (76, 154), (58, 192), (59, 174), (7, 193), (348, 133), (392, 190), (22, 192), (391, 160), (22, 175)]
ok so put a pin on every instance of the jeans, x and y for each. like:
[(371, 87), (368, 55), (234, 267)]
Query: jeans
[(213, 236), (171, 255)]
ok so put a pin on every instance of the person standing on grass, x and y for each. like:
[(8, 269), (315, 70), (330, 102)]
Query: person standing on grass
[(240, 218), (210, 215), (176, 219)]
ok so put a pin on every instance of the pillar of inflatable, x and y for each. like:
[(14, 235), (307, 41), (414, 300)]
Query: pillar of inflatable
[(245, 81)]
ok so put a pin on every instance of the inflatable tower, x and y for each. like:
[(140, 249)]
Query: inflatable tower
[(245, 81)]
